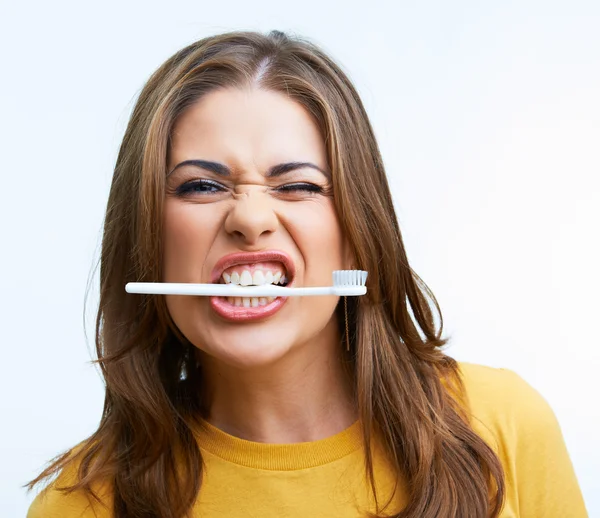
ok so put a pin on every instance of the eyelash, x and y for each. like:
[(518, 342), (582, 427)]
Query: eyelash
[(188, 188)]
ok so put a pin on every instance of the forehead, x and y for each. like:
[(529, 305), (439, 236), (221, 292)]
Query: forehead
[(247, 126)]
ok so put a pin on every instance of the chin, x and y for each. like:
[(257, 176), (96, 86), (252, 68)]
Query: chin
[(247, 348)]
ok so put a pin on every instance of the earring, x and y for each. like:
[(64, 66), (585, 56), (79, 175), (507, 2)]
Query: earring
[(346, 320)]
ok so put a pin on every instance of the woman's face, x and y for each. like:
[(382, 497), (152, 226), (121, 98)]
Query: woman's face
[(248, 200)]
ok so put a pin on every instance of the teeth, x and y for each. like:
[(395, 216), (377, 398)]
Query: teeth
[(246, 278), (249, 302), (258, 279)]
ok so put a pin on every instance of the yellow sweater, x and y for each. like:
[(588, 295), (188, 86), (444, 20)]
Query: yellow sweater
[(325, 478)]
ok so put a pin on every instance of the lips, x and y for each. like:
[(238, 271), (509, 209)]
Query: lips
[(250, 258), (231, 313)]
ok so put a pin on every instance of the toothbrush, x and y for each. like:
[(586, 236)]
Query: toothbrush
[(345, 283)]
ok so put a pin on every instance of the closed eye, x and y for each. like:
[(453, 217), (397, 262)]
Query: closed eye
[(300, 186)]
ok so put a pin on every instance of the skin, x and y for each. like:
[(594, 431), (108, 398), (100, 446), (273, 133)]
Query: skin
[(278, 380)]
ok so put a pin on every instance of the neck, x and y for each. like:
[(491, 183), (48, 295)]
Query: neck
[(305, 396)]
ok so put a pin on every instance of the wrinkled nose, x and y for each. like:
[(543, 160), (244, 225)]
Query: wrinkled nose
[(251, 216)]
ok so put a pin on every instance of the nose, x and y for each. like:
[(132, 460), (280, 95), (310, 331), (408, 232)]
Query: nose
[(251, 217)]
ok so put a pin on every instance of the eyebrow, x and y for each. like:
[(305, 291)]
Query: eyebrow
[(276, 170)]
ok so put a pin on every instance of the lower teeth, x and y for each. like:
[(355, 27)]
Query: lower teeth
[(250, 302)]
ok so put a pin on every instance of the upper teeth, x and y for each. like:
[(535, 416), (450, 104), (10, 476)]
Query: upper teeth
[(258, 278)]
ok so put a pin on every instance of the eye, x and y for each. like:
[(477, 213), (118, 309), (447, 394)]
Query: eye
[(199, 186), (299, 187)]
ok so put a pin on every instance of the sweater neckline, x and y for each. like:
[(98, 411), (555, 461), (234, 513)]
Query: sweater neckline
[(278, 457)]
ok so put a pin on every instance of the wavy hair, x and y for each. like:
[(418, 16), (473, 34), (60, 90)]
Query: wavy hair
[(407, 390)]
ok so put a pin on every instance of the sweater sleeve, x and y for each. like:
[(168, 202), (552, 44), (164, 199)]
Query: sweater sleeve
[(544, 477), (521, 427)]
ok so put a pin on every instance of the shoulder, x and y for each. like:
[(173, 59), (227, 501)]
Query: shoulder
[(521, 427), (51, 502), (485, 384), (492, 382), (503, 404)]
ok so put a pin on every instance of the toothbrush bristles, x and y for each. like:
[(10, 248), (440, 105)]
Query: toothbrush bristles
[(349, 277)]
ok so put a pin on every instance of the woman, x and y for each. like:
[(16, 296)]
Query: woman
[(252, 156)]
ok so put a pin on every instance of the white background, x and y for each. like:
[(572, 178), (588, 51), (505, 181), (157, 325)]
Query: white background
[(488, 118)]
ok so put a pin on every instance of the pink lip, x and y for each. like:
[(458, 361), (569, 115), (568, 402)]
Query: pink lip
[(236, 313)]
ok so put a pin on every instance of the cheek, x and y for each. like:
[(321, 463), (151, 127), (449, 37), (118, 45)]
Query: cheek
[(315, 229), (188, 232)]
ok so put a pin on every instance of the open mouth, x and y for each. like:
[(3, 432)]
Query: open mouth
[(257, 274), (251, 270)]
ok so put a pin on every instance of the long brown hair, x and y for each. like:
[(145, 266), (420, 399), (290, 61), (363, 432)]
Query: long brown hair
[(404, 384)]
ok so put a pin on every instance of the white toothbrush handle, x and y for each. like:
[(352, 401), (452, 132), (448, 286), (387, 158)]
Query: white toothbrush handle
[(227, 290)]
